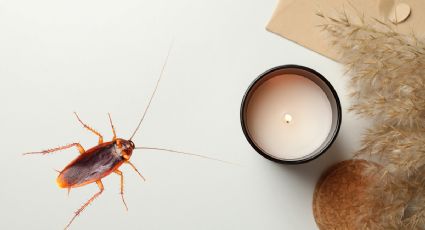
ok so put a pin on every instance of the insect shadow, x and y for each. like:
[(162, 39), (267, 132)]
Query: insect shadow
[(92, 165)]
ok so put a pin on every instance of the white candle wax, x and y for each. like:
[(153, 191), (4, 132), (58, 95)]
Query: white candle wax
[(288, 116)]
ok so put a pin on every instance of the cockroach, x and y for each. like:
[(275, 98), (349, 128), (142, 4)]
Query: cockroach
[(94, 164)]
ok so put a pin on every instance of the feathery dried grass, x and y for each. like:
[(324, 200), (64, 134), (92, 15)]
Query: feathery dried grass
[(387, 79), (387, 69), (399, 197), (400, 151)]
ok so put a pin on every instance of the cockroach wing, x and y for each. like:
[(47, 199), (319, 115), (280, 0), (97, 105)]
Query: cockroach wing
[(90, 166)]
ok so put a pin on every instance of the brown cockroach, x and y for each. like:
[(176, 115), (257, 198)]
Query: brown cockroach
[(92, 165)]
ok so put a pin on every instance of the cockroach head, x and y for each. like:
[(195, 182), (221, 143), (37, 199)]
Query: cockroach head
[(132, 144), (126, 147)]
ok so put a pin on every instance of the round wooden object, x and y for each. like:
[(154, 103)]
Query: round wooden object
[(399, 13), (339, 193)]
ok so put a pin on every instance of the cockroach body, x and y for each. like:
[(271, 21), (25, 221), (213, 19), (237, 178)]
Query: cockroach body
[(95, 163), (103, 159)]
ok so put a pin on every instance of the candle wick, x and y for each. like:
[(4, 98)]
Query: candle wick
[(287, 118)]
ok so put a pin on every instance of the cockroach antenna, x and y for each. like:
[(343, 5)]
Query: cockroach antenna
[(153, 93), (186, 153)]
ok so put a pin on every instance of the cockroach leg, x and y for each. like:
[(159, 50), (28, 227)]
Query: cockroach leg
[(119, 144), (122, 187), (91, 129), (79, 147), (78, 212), (135, 169), (113, 128)]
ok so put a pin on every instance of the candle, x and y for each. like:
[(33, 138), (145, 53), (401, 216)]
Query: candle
[(291, 114)]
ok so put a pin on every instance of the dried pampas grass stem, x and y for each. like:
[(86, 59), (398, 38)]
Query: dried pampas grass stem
[(387, 69), (387, 85)]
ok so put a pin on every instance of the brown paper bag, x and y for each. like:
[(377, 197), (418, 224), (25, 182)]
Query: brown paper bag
[(297, 21)]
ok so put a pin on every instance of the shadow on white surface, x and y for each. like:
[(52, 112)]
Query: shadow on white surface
[(311, 171)]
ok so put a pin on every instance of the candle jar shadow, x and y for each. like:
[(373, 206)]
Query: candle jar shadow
[(311, 171)]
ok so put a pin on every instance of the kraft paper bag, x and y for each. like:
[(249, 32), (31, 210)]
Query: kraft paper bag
[(297, 21)]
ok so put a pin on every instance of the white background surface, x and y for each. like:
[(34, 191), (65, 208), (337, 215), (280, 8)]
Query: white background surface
[(95, 57)]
